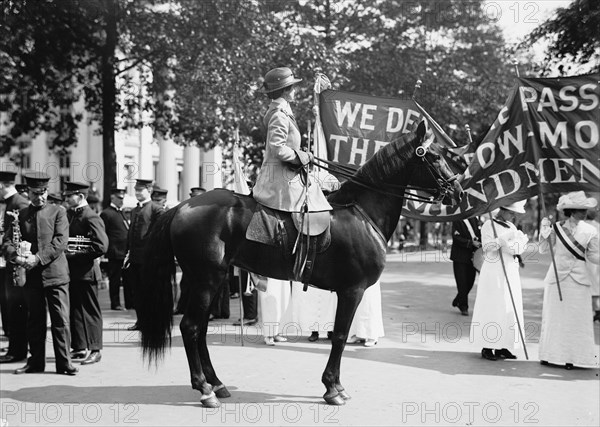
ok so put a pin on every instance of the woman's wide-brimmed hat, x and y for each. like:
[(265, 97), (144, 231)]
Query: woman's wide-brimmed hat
[(278, 78), (518, 207), (576, 200)]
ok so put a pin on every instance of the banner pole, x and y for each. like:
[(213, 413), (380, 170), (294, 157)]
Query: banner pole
[(308, 135), (416, 89), (516, 65), (236, 141), (512, 300), (537, 156), (544, 213)]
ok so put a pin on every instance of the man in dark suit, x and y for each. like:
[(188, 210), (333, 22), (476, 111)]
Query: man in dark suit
[(86, 315), (46, 228), (466, 238), (12, 298), (117, 226), (143, 217)]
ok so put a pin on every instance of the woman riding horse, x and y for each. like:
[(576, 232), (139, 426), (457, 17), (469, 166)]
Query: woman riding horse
[(206, 235)]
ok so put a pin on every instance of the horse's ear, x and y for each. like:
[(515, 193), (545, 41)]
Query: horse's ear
[(422, 129)]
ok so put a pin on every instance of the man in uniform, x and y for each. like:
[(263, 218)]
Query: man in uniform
[(86, 315), (46, 228), (117, 226), (466, 239), (22, 190), (194, 191), (142, 218), (159, 196), (55, 199), (12, 298)]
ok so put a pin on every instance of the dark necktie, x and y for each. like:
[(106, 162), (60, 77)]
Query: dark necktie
[(120, 211)]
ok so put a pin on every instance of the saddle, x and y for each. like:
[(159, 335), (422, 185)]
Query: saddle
[(301, 235)]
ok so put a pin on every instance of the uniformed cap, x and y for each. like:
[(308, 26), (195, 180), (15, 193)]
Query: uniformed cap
[(55, 197), (37, 180), (143, 183), (92, 198), (197, 190), (74, 188), (21, 187), (119, 192), (278, 78), (7, 176), (159, 192)]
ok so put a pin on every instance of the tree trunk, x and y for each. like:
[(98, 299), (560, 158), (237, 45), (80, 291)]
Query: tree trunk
[(109, 156)]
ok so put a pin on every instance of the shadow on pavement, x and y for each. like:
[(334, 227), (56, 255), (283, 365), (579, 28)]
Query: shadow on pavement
[(172, 395)]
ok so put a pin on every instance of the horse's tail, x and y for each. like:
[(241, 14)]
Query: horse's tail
[(155, 315)]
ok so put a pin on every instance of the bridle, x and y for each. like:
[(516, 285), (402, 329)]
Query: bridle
[(445, 186)]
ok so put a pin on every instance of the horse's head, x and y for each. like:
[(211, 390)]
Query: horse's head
[(414, 161), (433, 173)]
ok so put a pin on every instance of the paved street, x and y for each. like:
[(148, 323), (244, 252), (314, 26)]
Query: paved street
[(423, 372)]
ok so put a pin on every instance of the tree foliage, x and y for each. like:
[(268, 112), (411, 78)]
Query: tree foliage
[(192, 69), (573, 35), (46, 57), (452, 47)]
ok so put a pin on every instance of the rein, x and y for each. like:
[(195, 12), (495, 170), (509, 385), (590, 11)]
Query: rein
[(348, 173)]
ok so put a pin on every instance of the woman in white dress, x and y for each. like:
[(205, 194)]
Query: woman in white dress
[(313, 310), (275, 310), (494, 324), (367, 325), (567, 336)]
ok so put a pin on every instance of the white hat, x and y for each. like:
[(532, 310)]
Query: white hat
[(576, 200), (518, 207)]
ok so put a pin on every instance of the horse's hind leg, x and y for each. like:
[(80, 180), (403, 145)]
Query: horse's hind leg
[(347, 303), (218, 387), (194, 325)]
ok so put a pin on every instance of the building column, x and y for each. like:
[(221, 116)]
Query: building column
[(145, 168), (40, 159), (191, 169), (167, 167), (212, 168), (93, 172)]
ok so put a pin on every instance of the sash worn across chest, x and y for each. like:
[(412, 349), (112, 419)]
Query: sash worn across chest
[(572, 245)]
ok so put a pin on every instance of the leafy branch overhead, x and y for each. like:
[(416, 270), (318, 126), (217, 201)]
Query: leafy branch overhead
[(192, 69), (573, 35)]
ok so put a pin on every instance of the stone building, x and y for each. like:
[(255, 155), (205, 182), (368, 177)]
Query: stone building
[(140, 154)]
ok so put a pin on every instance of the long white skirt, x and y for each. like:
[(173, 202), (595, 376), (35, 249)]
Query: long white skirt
[(313, 310), (368, 320), (567, 334), (494, 324), (274, 309)]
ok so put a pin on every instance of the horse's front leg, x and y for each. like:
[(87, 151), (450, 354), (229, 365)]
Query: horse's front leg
[(348, 301)]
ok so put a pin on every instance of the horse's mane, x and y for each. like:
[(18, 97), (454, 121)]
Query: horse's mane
[(379, 169), (386, 162)]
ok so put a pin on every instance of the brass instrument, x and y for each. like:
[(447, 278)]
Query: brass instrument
[(23, 249), (79, 245)]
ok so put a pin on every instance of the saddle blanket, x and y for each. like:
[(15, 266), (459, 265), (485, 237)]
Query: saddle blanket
[(276, 228)]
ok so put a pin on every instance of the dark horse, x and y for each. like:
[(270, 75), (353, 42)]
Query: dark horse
[(206, 234)]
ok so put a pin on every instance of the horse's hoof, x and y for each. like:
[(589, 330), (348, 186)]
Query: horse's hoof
[(210, 401), (335, 400), (221, 391), (342, 393)]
